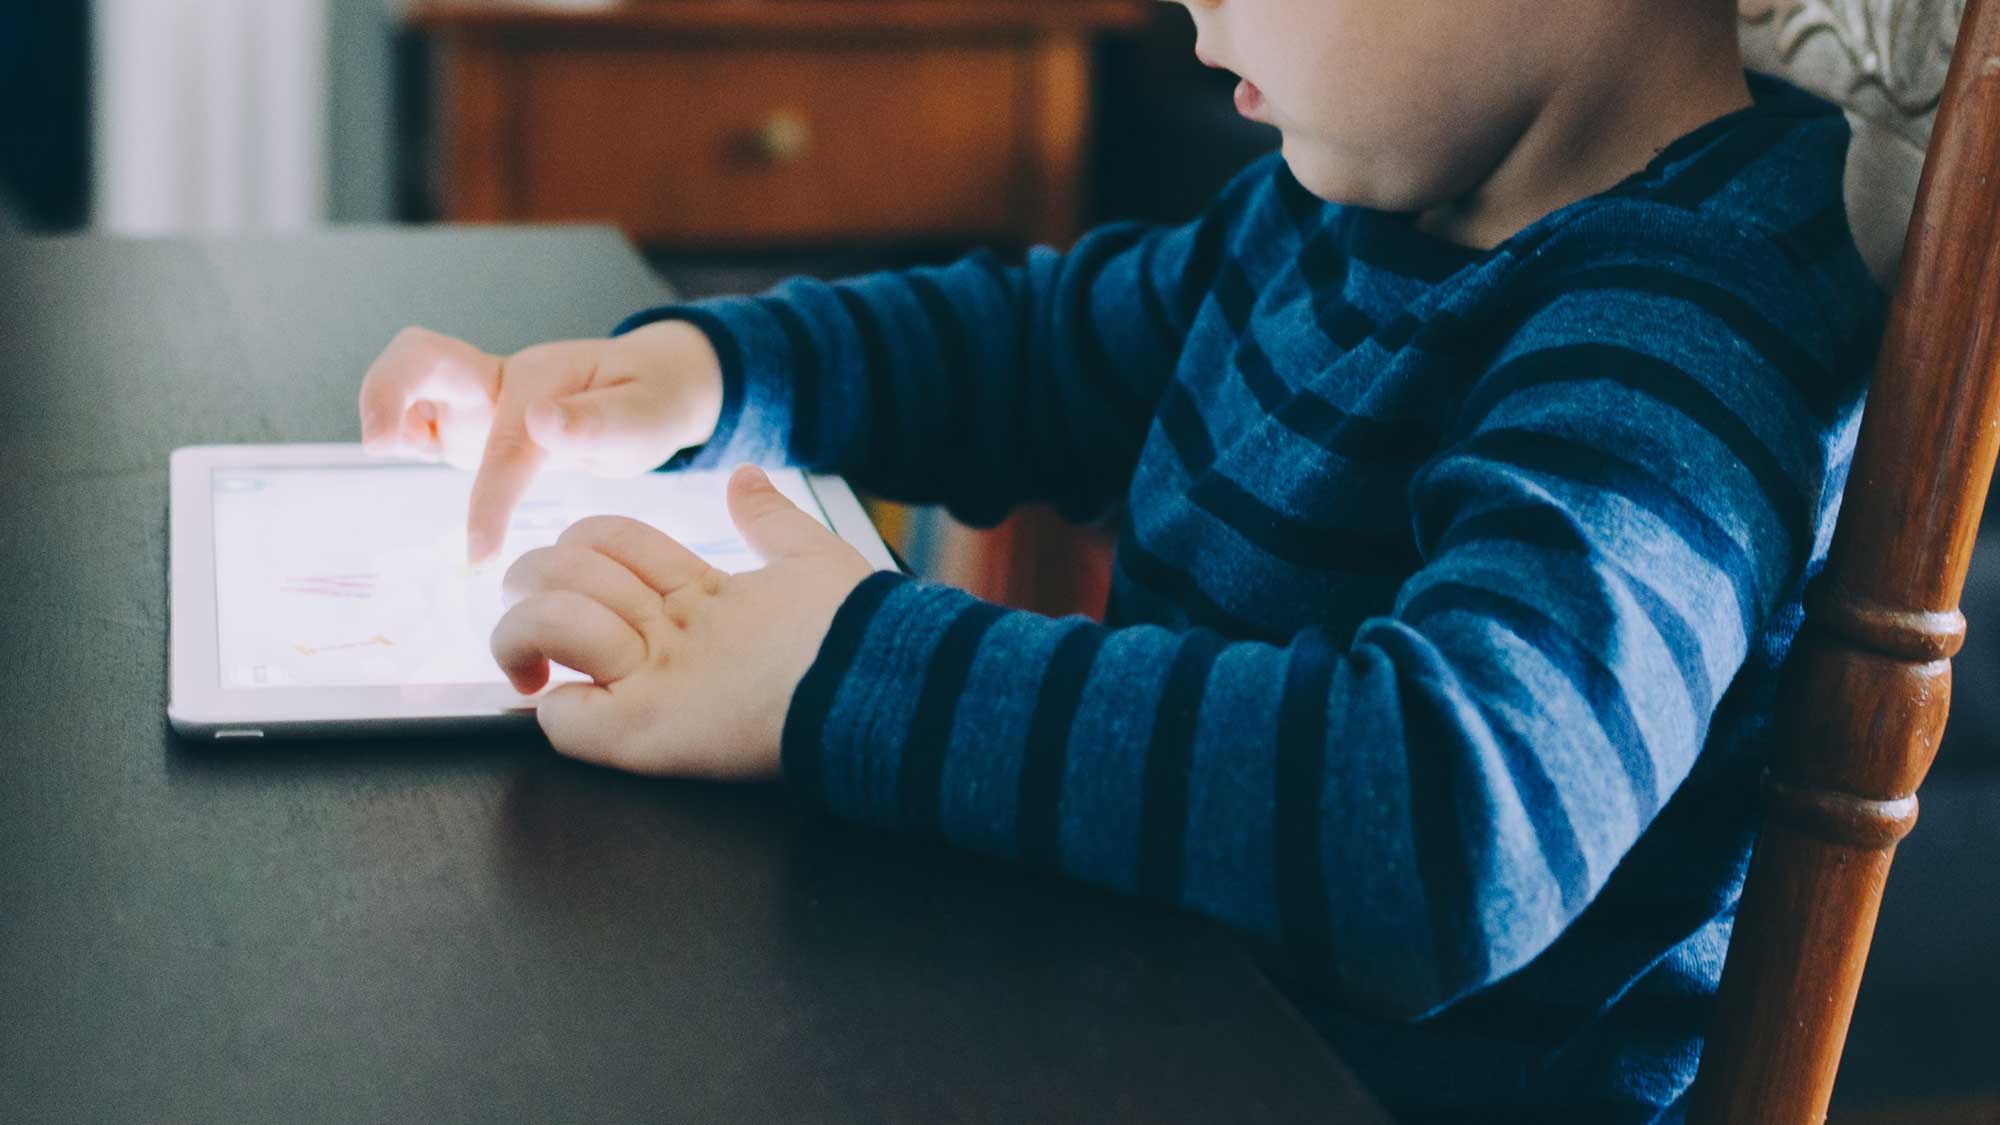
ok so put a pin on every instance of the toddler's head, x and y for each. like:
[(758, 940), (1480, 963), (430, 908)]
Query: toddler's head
[(1416, 105)]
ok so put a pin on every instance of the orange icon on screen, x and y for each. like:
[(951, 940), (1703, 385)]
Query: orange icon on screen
[(373, 642)]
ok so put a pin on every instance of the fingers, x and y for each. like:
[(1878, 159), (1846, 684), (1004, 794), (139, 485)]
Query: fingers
[(582, 570), (774, 527), (587, 722), (512, 457), (570, 629), (507, 467), (657, 560), (615, 430), (420, 366)]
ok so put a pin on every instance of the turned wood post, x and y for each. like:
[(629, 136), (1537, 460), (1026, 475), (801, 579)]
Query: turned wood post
[(1869, 682)]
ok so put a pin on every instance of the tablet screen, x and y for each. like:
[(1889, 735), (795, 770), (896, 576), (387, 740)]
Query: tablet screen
[(356, 575)]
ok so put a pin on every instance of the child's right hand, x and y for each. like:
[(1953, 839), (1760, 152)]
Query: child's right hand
[(616, 407)]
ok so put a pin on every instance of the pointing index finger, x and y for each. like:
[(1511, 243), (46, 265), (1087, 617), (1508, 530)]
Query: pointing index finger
[(509, 465)]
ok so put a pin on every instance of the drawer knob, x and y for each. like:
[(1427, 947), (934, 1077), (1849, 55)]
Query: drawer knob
[(783, 137)]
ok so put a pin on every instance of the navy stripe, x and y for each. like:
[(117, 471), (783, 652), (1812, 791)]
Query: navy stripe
[(1344, 326), (1124, 406), (1392, 244), (1307, 213), (955, 358), (1159, 325), (1810, 241), (1169, 759), (1334, 548), (812, 700), (1005, 278), (1038, 803), (1671, 159), (1698, 181), (1666, 384), (1353, 550), (1548, 529), (1604, 471), (1437, 760), (808, 381), (883, 424), (921, 773), (1346, 435), (1234, 297), (1148, 571), (1467, 343), (1541, 802), (1393, 442), (1259, 376), (1323, 264), (1591, 677), (1018, 389), (1197, 275), (1304, 910), (1181, 423), (1778, 348)]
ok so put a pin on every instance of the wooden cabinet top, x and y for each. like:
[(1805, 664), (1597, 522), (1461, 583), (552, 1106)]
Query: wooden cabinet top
[(855, 16)]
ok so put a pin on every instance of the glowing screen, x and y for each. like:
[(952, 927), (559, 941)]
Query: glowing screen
[(357, 576)]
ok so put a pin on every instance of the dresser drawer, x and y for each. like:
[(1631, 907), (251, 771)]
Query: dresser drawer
[(759, 143)]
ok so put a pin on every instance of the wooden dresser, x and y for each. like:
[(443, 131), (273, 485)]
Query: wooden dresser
[(768, 123)]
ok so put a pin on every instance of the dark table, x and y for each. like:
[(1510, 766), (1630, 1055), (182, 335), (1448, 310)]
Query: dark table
[(480, 930)]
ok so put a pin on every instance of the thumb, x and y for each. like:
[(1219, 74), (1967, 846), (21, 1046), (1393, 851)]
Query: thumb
[(772, 525)]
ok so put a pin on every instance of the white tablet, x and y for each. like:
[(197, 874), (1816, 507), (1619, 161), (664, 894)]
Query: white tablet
[(318, 591)]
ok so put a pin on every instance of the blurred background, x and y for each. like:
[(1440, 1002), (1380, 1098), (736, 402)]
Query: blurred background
[(736, 142)]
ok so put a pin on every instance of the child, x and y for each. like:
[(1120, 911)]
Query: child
[(1472, 454)]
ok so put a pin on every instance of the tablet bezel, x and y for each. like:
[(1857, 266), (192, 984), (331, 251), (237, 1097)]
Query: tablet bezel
[(199, 705)]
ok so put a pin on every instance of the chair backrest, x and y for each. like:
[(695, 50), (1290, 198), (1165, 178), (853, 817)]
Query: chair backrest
[(1884, 61), (1869, 681)]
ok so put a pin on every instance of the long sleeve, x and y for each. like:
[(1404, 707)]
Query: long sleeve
[(980, 385), (1636, 476)]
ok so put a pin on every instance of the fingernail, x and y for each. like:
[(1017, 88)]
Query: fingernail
[(478, 545)]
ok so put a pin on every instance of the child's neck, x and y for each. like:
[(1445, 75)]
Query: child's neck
[(1600, 126)]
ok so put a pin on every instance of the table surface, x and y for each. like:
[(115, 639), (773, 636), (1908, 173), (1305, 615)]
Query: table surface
[(480, 929)]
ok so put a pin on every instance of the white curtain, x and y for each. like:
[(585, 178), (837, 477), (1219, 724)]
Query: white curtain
[(209, 115)]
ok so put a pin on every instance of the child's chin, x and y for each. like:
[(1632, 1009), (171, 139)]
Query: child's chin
[(1317, 173), (1356, 179)]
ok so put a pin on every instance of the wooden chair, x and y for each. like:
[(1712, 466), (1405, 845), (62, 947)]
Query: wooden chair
[(1869, 681)]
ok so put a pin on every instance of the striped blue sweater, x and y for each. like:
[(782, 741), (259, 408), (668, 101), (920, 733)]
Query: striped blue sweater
[(1449, 597)]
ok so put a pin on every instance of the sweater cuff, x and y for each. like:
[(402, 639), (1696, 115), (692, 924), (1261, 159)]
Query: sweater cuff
[(858, 707), (756, 394), (803, 740)]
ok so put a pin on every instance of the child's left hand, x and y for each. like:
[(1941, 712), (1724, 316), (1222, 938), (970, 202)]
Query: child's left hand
[(694, 668)]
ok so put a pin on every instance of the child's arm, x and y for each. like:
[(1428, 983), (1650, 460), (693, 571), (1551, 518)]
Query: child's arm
[(1420, 809), (978, 384)]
